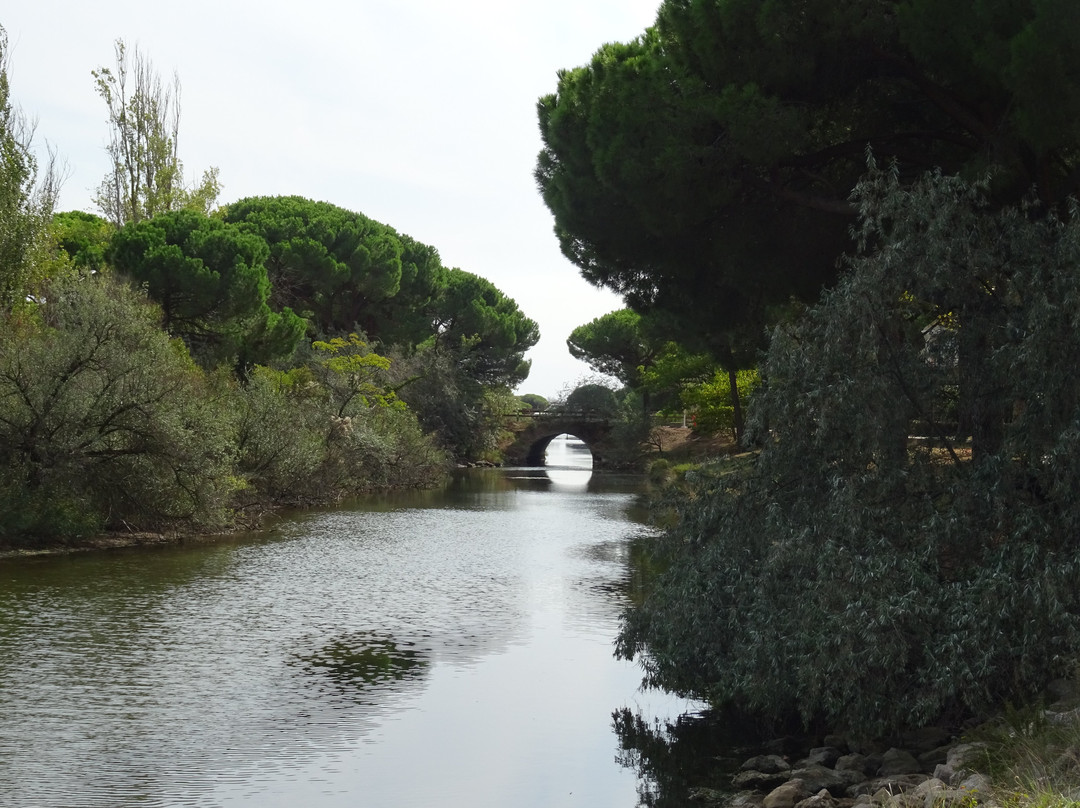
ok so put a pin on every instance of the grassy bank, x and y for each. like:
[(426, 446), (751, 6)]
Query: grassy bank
[(1032, 756)]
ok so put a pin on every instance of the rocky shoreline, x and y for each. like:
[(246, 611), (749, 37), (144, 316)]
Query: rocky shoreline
[(930, 768)]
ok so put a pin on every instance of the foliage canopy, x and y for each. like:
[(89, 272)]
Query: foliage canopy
[(210, 279), (703, 169), (849, 576), (105, 421)]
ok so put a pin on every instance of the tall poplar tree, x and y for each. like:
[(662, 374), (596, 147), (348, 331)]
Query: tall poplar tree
[(147, 176), (27, 194)]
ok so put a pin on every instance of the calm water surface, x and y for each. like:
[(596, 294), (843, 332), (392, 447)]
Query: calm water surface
[(449, 649)]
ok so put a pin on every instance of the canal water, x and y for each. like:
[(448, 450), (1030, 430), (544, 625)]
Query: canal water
[(448, 649)]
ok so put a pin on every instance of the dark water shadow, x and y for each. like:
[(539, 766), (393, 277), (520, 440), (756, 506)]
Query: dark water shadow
[(678, 761), (364, 665)]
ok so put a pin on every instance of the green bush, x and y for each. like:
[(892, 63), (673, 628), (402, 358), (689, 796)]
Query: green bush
[(105, 421), (710, 402), (660, 470), (847, 576), (282, 424)]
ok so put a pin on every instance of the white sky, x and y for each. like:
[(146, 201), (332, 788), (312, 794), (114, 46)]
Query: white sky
[(416, 113)]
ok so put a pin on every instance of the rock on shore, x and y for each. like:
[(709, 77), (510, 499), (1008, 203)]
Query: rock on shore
[(931, 770)]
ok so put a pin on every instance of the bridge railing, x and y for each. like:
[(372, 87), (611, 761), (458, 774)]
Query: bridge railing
[(561, 415)]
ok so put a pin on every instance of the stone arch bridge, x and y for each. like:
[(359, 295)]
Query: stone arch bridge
[(536, 431)]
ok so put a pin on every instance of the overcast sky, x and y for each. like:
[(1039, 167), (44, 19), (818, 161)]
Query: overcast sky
[(416, 113)]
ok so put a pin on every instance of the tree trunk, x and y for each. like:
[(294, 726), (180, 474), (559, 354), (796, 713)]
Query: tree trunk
[(738, 424), (982, 409), (736, 405)]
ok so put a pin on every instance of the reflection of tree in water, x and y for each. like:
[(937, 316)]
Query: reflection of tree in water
[(674, 761), (365, 660)]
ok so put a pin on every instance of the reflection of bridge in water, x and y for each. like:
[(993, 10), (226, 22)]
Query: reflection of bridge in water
[(531, 444)]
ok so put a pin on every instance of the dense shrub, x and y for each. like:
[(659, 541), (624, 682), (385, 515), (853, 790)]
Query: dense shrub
[(710, 402), (848, 576), (281, 432), (467, 418), (105, 421), (329, 430)]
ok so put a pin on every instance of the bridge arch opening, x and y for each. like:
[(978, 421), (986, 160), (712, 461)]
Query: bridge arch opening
[(560, 451)]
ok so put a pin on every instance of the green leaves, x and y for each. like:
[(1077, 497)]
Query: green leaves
[(147, 176), (703, 169), (210, 279), (103, 414), (851, 575), (615, 344), (337, 265), (355, 376), (27, 195), (484, 329)]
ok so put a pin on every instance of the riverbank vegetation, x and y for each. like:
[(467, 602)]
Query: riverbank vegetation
[(181, 366), (900, 548)]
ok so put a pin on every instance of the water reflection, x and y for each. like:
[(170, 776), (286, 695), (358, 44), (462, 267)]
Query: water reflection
[(677, 760), (568, 451), (465, 635), (569, 479), (364, 663)]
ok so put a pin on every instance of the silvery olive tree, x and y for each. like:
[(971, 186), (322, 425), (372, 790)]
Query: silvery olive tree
[(850, 574), (105, 422)]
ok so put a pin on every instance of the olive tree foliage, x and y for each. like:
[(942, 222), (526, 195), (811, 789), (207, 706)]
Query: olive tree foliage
[(28, 192), (147, 175), (846, 575), (281, 428), (105, 421)]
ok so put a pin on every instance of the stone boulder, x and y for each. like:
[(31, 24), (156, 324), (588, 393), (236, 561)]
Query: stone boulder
[(835, 781), (896, 784), (959, 762), (820, 756), (934, 757), (977, 786), (823, 799), (746, 799), (707, 796), (857, 763), (760, 781), (768, 764), (786, 796), (887, 799), (898, 761), (938, 794)]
